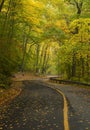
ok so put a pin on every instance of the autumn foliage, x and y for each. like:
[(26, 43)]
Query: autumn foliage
[(45, 37)]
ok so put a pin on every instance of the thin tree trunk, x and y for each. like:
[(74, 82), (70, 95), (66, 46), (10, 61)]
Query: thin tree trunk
[(79, 7), (23, 59), (37, 58), (83, 68), (73, 65), (25, 41), (88, 68), (44, 60)]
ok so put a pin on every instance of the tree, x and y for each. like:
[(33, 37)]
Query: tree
[(45, 36), (1, 5), (8, 47)]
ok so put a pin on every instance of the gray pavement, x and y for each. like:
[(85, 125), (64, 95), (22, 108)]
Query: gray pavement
[(38, 107), (78, 104)]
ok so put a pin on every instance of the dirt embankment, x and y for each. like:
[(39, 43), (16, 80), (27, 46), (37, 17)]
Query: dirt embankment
[(24, 76)]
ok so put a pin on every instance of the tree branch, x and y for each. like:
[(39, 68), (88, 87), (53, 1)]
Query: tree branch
[(1, 5)]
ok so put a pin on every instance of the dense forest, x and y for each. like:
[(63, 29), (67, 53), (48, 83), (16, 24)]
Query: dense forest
[(45, 37)]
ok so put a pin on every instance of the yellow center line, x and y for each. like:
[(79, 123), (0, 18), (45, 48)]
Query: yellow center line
[(65, 110)]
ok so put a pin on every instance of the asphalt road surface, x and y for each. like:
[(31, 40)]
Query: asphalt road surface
[(38, 107), (78, 99)]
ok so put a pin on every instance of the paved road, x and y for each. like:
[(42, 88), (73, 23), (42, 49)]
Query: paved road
[(38, 107), (78, 104)]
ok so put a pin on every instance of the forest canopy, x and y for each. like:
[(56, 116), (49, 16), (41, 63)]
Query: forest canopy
[(45, 37)]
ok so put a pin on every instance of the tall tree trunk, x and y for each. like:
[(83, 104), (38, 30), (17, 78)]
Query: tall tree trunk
[(68, 71), (23, 58), (88, 68), (73, 65), (5, 22), (82, 68), (37, 58), (44, 60), (25, 41)]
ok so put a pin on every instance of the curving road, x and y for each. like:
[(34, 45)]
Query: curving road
[(38, 107), (78, 99)]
